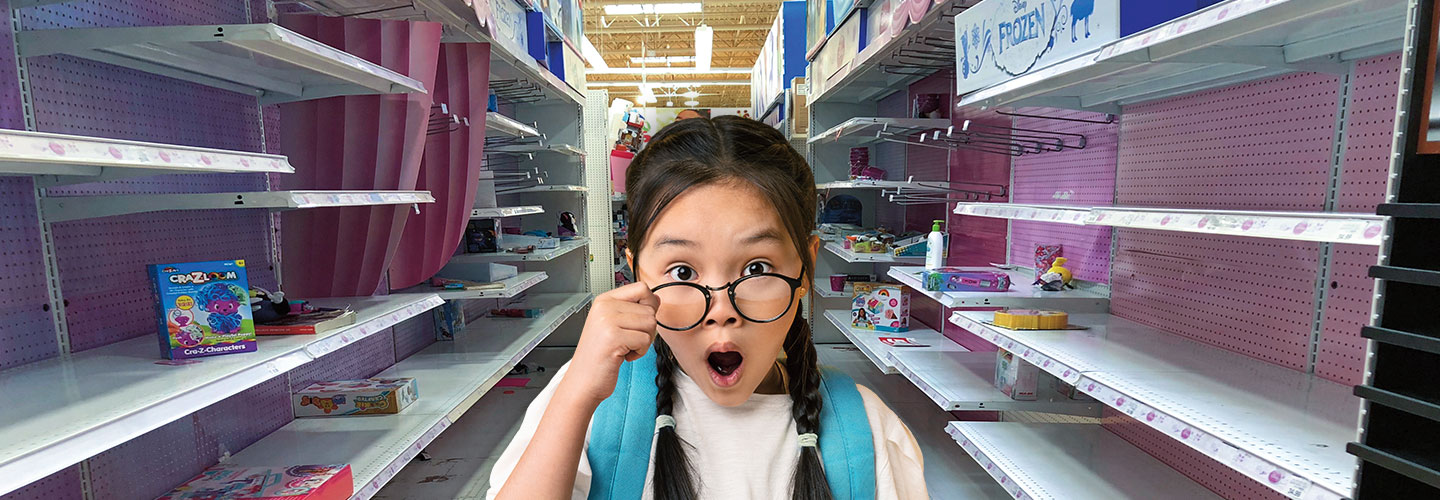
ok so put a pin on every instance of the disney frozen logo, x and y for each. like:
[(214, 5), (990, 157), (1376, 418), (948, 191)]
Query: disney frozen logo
[(1005, 38)]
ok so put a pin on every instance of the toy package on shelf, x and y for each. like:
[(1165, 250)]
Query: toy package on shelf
[(204, 308), (298, 482), (449, 320), (1016, 377), (881, 306), (375, 396), (1044, 258), (955, 279)]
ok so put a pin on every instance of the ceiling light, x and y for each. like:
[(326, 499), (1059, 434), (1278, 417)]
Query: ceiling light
[(662, 70), (635, 9), (591, 55), (647, 93), (662, 59), (691, 94), (704, 38), (692, 102)]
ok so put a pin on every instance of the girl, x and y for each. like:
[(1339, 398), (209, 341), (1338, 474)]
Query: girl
[(720, 240)]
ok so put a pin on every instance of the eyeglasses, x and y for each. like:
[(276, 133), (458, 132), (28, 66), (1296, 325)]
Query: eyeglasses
[(762, 298)]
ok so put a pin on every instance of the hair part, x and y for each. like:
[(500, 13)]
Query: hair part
[(706, 151)]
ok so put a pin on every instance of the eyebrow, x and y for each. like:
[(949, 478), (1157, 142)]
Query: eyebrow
[(767, 234), (676, 242)]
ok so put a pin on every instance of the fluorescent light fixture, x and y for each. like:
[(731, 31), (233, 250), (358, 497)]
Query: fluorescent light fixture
[(704, 44), (691, 94), (663, 70), (647, 92), (692, 103), (662, 59), (635, 9), (591, 55)]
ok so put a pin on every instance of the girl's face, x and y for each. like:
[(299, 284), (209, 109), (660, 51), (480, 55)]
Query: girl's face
[(712, 235)]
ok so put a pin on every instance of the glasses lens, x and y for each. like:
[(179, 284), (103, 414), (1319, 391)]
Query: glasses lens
[(763, 298), (681, 307)]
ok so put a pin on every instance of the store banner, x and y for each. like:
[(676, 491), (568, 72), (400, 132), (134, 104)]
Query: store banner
[(358, 142), (1001, 39), (450, 168), (880, 22), (506, 22)]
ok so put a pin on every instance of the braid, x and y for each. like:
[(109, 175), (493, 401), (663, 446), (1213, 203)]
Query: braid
[(673, 478), (804, 388)]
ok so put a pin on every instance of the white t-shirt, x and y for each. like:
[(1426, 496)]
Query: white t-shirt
[(747, 451)]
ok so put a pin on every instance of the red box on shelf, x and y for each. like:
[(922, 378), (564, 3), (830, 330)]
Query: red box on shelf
[(297, 482)]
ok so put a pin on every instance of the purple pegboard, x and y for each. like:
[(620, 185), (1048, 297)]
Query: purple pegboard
[(240, 420), (12, 113), (27, 333), (891, 157), (63, 485), (414, 334), (361, 359)]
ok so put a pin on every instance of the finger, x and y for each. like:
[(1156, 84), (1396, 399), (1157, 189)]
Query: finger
[(637, 322), (632, 308), (637, 292), (632, 344)]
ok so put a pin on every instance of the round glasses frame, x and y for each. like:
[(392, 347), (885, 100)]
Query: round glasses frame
[(729, 288)]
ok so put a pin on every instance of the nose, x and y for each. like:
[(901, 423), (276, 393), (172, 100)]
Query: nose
[(722, 311)]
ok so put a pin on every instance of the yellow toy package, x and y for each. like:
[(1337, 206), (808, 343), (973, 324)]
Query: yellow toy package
[(375, 396)]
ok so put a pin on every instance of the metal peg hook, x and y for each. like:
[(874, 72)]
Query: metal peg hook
[(416, 206)]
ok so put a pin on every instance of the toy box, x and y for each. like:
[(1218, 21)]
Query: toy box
[(299, 482), (955, 279), (449, 320), (204, 308), (1015, 377), (374, 396), (880, 306)]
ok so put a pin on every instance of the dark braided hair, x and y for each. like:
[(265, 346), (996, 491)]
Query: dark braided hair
[(702, 151)]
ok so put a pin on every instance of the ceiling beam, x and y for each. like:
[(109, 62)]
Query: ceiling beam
[(676, 29), (673, 51)]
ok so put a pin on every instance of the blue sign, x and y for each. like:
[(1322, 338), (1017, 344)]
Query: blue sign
[(997, 40)]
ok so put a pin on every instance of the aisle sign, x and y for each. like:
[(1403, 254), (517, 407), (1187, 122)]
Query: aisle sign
[(507, 25), (1002, 39)]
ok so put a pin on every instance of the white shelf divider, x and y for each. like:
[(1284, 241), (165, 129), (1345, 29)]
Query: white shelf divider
[(858, 131), (545, 188), (882, 258), (1328, 227), (868, 341), (497, 212), (265, 60), (66, 208), (451, 376), (965, 381), (1070, 462), (822, 288), (563, 149), (503, 125), (513, 286), (1282, 428), (64, 410), (1088, 297), (539, 255), (63, 159)]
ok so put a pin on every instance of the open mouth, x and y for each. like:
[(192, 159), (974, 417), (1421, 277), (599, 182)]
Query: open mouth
[(725, 367)]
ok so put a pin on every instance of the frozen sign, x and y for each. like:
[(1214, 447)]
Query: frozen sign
[(1002, 39)]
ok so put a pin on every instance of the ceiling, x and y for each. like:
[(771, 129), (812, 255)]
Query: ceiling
[(740, 29)]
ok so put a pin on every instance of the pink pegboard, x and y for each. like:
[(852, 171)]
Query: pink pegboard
[(1248, 295), (1204, 470), (362, 359), (1264, 145), (977, 241), (1347, 309), (892, 158), (63, 485), (26, 330), (414, 334), (102, 264)]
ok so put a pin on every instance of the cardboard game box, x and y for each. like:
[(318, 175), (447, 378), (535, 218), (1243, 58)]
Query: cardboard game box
[(203, 308), (375, 396), (299, 482)]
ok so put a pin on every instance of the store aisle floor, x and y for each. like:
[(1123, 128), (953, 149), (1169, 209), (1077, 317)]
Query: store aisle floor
[(461, 458)]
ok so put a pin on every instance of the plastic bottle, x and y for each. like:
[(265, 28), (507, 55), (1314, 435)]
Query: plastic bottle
[(935, 247)]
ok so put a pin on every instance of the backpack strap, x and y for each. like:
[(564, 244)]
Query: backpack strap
[(622, 431), (847, 447)]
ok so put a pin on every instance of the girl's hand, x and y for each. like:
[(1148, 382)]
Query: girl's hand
[(620, 328)]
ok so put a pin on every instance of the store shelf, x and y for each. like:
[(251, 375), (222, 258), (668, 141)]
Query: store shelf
[(1330, 227), (617, 198), (965, 381), (857, 131), (539, 255), (1280, 427), (1088, 297), (865, 79), (513, 286), (494, 213), (545, 188), (506, 66), (882, 258), (822, 288), (1229, 43), (522, 149), (265, 60), (64, 410), (66, 159), (451, 377), (66, 208), (868, 341), (1070, 462), (497, 125)]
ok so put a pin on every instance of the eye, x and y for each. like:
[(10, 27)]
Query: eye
[(681, 273), (758, 268)]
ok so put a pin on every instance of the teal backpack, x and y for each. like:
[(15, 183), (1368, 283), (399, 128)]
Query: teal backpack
[(623, 429)]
